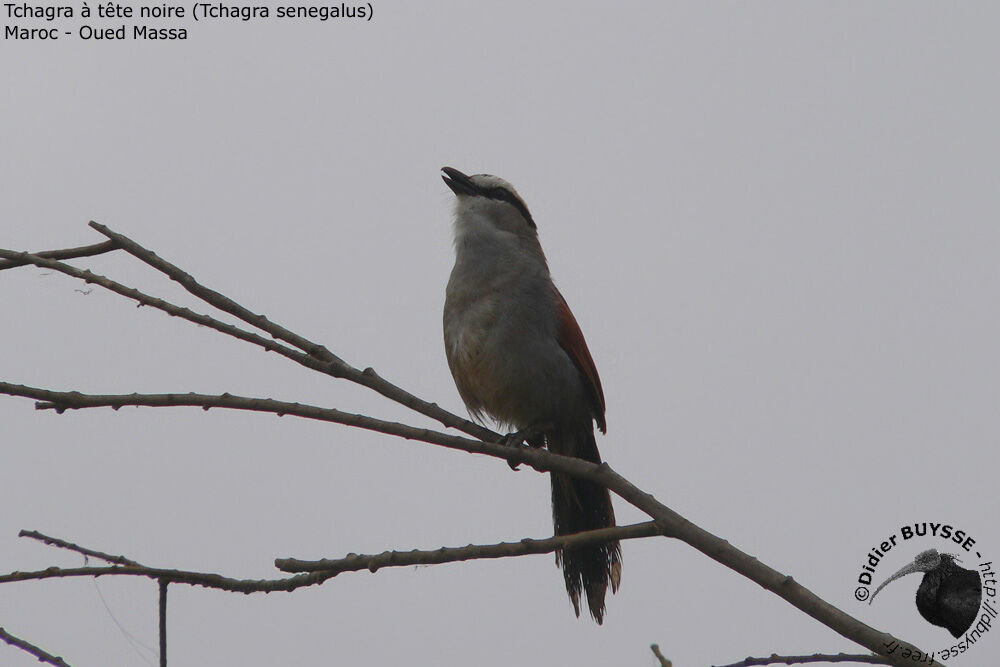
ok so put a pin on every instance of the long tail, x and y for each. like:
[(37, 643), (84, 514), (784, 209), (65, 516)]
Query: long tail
[(578, 505)]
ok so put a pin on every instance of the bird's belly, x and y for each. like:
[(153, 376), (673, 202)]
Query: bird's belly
[(507, 366)]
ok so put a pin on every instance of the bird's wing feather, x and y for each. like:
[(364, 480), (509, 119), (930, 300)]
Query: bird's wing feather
[(573, 344)]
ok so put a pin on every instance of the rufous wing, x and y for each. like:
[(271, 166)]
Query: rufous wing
[(572, 342)]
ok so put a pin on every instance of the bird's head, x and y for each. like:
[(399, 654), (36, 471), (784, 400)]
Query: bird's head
[(486, 203), (925, 561)]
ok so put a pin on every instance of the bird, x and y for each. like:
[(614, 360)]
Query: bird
[(948, 596), (518, 356)]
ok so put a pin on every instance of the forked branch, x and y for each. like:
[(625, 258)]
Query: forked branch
[(317, 357), (317, 572)]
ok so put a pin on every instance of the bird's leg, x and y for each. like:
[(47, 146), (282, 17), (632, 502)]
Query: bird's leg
[(533, 435)]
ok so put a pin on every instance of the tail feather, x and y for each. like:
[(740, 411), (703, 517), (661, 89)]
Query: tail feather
[(579, 505)]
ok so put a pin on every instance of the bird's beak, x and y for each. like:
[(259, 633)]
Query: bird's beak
[(908, 569), (459, 183)]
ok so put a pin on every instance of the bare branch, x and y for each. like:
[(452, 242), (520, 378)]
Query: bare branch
[(333, 367), (212, 297), (775, 659), (144, 299), (671, 523), (659, 656), (336, 366), (353, 562), (28, 647), (61, 401), (163, 621), (191, 578), (62, 544), (66, 253), (327, 569)]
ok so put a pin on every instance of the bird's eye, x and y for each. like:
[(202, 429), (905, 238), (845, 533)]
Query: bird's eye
[(505, 195)]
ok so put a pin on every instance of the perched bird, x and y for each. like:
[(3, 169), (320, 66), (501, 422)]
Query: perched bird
[(948, 596), (518, 356)]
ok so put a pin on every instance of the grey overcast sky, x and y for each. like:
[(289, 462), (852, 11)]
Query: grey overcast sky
[(777, 223)]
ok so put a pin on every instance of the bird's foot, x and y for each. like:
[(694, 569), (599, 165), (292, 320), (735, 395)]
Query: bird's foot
[(533, 436)]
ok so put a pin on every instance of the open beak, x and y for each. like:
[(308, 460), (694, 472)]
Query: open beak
[(459, 183)]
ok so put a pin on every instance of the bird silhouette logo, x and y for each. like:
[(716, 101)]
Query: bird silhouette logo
[(949, 595)]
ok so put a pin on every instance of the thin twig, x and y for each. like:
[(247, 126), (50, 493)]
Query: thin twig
[(188, 577), (671, 523), (775, 659), (62, 544), (334, 366), (28, 647), (367, 378), (61, 401), (373, 563), (66, 253), (144, 299), (326, 570), (163, 621), (659, 656), (220, 301)]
